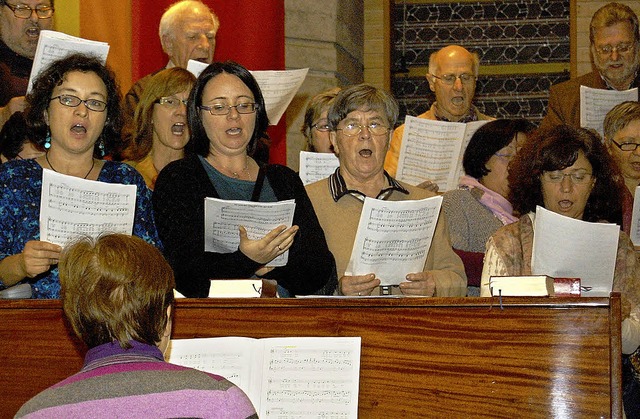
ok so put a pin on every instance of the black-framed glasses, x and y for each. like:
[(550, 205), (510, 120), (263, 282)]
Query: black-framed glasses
[(172, 101), (626, 146), (74, 101), (620, 49), (450, 79), (375, 128), (556, 176), (22, 11), (221, 109)]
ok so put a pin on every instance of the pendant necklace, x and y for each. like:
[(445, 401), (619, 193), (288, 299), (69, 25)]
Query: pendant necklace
[(93, 162), (237, 174)]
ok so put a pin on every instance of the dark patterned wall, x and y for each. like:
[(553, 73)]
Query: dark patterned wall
[(503, 33)]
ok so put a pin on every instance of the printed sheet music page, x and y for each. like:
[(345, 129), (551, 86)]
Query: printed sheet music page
[(290, 377), (596, 103), (222, 218), (70, 207), (54, 45), (393, 238), (316, 166), (433, 150)]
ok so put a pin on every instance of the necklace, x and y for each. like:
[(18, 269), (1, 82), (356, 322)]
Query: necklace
[(236, 174), (93, 162)]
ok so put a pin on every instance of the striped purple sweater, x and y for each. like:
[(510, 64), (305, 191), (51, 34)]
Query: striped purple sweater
[(138, 383)]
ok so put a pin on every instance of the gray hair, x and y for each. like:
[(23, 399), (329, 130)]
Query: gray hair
[(176, 12), (362, 97)]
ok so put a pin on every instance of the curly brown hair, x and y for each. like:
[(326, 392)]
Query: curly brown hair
[(557, 149)]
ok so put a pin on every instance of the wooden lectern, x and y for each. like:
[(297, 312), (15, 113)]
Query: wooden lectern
[(421, 357)]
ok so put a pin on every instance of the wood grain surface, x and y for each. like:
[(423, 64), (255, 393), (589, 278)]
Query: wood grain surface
[(437, 357)]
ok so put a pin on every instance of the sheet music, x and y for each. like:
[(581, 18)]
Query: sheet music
[(54, 45), (635, 219), (393, 238), (595, 103), (278, 87), (316, 166), (568, 248), (223, 217), (283, 377), (71, 207), (432, 150)]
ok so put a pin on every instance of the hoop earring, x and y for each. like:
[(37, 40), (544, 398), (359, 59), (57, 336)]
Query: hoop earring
[(47, 141)]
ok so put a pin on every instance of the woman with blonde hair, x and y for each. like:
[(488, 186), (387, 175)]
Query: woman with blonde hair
[(160, 130)]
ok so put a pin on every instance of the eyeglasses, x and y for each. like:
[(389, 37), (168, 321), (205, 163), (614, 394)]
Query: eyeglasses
[(627, 146), (172, 101), (556, 176), (22, 11), (375, 128), (620, 49), (221, 109), (74, 101), (322, 126), (450, 79)]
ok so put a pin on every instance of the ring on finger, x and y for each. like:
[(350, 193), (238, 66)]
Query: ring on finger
[(279, 248)]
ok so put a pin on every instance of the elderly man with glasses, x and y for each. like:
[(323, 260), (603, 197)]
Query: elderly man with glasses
[(452, 76), (20, 24), (187, 31), (614, 37), (361, 118)]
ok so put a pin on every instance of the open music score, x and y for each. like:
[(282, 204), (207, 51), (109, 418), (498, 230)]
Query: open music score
[(70, 207), (596, 103), (394, 238), (54, 45), (278, 87), (316, 166), (284, 377), (433, 150), (222, 219)]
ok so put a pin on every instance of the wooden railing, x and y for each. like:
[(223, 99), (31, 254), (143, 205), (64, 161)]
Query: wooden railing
[(421, 357)]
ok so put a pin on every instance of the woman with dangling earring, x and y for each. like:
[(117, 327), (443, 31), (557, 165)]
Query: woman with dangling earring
[(73, 111)]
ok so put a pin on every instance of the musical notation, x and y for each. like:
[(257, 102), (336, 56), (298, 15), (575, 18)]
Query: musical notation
[(316, 166), (71, 206), (284, 377), (223, 218), (432, 150), (393, 238), (596, 103), (54, 45)]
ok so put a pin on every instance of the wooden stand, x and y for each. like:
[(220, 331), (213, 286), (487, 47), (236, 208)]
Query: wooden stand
[(421, 357)]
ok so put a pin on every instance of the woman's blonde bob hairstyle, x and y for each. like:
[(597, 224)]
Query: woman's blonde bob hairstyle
[(116, 288)]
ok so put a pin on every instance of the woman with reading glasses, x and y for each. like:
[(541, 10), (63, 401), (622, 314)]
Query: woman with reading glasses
[(160, 130), (316, 125), (622, 138), (74, 113), (227, 116), (567, 171)]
